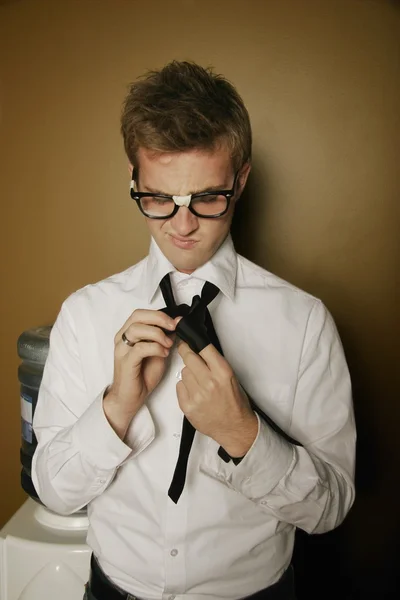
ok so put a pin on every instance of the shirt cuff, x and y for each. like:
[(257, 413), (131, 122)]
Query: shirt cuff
[(97, 440), (227, 457), (265, 464)]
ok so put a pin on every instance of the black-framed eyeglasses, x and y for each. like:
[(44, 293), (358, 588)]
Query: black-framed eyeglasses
[(207, 205)]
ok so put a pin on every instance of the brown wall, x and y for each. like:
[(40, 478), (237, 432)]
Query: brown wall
[(321, 80)]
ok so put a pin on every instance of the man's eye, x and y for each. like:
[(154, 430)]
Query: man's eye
[(160, 201), (208, 199)]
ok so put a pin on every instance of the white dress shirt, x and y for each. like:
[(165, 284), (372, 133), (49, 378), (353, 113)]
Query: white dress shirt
[(232, 531)]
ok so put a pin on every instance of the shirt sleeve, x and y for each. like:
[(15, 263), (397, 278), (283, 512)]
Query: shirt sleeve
[(311, 487), (78, 452)]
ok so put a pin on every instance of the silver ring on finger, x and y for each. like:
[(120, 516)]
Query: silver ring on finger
[(126, 341)]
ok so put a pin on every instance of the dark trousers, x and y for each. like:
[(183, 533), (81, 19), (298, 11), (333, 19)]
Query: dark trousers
[(100, 587)]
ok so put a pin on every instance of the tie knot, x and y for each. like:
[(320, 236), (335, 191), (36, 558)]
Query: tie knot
[(183, 310), (193, 327), (208, 293), (196, 301)]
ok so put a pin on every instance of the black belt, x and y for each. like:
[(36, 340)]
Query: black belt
[(102, 587)]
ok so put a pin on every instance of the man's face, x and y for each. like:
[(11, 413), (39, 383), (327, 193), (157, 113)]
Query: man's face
[(186, 240)]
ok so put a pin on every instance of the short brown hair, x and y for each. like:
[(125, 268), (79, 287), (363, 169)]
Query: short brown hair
[(184, 106)]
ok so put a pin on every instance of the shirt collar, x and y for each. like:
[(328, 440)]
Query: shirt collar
[(220, 269)]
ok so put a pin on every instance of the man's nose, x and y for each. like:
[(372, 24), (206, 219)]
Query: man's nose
[(184, 222)]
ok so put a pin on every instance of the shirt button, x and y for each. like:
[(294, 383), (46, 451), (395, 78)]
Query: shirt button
[(263, 502), (174, 552), (177, 435), (171, 597)]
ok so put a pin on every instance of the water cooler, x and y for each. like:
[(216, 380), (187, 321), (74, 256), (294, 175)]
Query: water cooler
[(43, 556)]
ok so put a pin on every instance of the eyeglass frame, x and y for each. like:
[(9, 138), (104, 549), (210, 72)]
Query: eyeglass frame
[(184, 200)]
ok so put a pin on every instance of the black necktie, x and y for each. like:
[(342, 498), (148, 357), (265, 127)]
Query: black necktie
[(197, 330)]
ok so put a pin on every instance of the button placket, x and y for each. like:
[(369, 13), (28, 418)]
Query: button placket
[(175, 536)]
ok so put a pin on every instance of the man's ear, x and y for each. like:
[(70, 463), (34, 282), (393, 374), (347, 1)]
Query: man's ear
[(242, 179), (130, 169)]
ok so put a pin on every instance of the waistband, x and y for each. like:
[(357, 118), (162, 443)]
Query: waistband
[(103, 588)]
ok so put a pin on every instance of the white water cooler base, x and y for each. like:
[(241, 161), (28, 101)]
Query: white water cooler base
[(43, 556)]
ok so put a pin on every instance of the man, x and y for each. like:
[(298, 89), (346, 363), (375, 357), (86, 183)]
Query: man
[(119, 380)]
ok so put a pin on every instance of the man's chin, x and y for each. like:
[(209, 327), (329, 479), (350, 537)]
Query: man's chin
[(184, 260), (185, 266)]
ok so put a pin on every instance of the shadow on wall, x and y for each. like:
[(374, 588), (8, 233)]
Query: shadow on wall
[(341, 564), (245, 216)]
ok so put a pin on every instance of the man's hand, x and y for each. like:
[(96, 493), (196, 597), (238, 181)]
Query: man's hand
[(212, 400), (138, 368)]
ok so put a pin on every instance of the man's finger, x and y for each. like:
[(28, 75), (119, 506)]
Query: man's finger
[(194, 362), (213, 359), (149, 317), (190, 381), (182, 394)]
